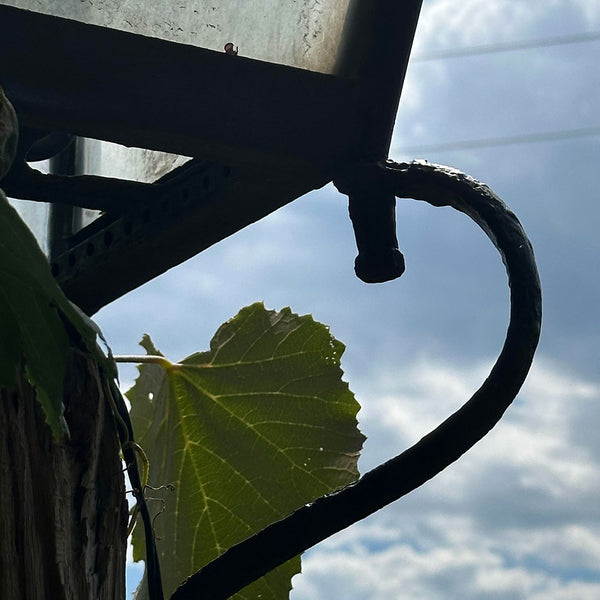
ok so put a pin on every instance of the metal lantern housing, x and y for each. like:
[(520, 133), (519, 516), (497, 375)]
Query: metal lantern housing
[(261, 130)]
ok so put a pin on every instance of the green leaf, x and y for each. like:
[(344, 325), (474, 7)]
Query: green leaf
[(9, 134), (246, 433), (33, 312), (33, 309)]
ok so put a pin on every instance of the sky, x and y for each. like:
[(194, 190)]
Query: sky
[(518, 517)]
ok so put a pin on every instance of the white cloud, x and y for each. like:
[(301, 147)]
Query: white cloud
[(447, 24), (565, 547), (448, 573), (537, 437), (590, 9), (507, 521)]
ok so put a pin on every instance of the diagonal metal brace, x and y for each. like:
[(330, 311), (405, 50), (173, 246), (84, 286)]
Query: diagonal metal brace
[(146, 228)]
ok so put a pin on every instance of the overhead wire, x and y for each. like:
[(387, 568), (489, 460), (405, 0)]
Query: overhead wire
[(510, 140), (527, 138), (592, 36)]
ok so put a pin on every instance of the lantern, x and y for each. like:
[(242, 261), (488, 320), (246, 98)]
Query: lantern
[(216, 114)]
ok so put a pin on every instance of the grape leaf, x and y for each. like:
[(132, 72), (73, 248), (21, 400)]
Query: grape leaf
[(33, 309), (9, 134), (245, 433), (33, 316)]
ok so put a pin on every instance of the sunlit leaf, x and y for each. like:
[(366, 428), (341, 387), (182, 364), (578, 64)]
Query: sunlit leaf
[(33, 313), (246, 433)]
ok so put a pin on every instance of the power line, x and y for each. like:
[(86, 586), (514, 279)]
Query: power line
[(592, 36), (527, 138)]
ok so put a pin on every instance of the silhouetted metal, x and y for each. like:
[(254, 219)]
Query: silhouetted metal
[(440, 186), (372, 210), (278, 131)]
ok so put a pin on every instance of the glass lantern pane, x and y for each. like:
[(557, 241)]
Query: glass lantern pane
[(299, 33), (35, 214), (105, 159), (37, 217), (113, 160), (135, 164)]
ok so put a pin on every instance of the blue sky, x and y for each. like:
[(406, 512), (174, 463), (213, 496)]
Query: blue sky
[(518, 517)]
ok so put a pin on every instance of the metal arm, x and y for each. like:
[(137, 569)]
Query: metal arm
[(440, 186), (372, 209)]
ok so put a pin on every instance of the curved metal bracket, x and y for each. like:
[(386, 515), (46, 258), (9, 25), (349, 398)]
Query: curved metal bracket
[(441, 186)]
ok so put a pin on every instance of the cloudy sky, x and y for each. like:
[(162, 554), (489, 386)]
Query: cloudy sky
[(518, 516)]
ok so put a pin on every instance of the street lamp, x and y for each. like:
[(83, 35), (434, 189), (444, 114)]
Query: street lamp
[(271, 100)]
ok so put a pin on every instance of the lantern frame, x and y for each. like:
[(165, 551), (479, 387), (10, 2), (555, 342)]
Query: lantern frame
[(260, 134)]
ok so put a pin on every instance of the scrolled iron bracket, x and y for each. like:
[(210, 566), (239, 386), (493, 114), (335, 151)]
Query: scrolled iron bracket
[(440, 186)]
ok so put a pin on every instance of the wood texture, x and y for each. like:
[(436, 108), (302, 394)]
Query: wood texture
[(63, 512)]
